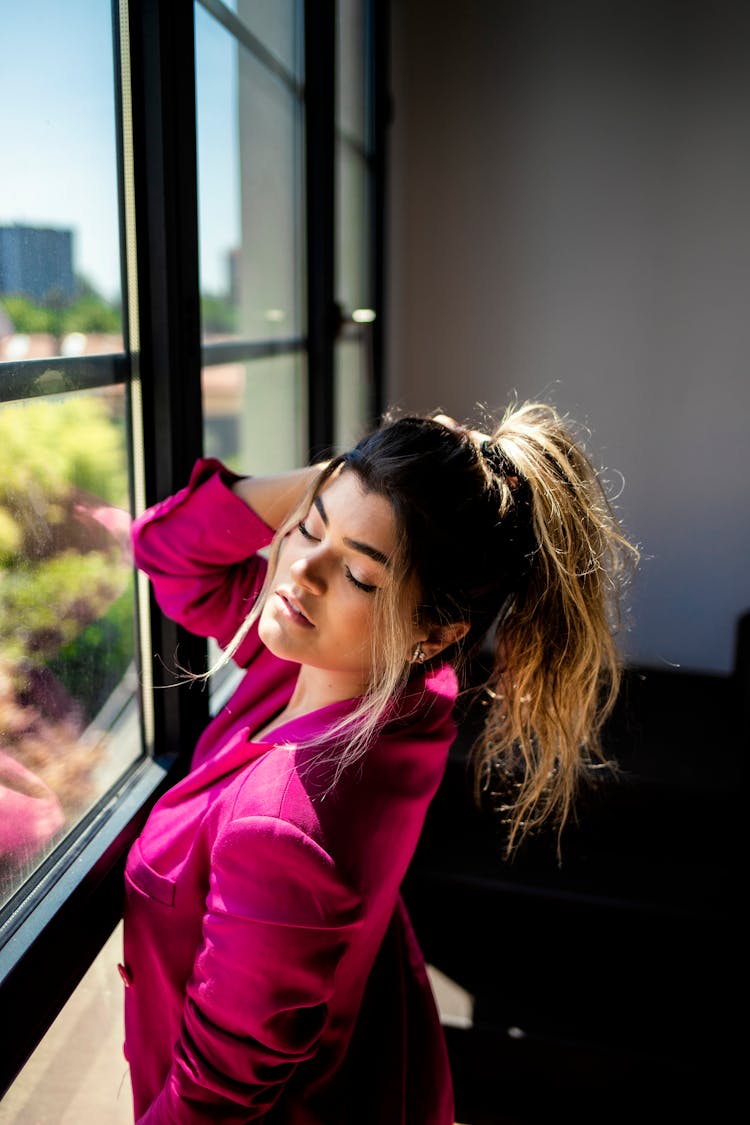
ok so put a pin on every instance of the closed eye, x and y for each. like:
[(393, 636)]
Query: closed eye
[(368, 589), (302, 528)]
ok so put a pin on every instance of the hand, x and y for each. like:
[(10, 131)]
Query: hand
[(274, 498), (476, 435)]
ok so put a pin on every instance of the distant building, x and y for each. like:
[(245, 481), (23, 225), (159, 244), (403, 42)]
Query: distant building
[(36, 262)]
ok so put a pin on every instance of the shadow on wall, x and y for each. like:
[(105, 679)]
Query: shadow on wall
[(611, 980)]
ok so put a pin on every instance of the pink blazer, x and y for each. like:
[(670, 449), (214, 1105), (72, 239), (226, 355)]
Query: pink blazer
[(273, 974)]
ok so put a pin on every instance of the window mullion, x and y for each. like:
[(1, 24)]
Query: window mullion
[(322, 312), (165, 186)]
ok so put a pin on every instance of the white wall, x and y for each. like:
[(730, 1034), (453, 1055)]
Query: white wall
[(570, 219)]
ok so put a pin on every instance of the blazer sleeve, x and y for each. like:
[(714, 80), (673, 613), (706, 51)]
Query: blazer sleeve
[(199, 548), (278, 919)]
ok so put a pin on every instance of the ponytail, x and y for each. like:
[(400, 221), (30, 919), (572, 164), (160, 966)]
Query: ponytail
[(557, 668), (514, 536)]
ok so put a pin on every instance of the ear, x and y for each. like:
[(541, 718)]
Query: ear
[(441, 636)]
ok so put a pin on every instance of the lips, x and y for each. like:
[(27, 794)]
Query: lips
[(293, 609)]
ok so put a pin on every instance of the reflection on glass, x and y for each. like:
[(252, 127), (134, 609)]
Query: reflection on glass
[(59, 231), (66, 619), (250, 183)]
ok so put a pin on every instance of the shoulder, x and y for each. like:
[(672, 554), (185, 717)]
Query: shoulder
[(425, 709), (273, 868), (274, 788), (296, 785)]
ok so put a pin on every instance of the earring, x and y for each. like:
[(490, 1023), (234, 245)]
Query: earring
[(418, 657)]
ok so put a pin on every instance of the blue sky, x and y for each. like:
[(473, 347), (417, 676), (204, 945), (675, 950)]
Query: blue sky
[(57, 131)]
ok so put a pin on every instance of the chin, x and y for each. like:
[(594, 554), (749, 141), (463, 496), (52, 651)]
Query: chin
[(270, 634), (276, 641)]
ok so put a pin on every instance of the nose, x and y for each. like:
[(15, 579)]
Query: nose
[(307, 572)]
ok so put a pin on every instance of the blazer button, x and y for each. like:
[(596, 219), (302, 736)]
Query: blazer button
[(124, 972)]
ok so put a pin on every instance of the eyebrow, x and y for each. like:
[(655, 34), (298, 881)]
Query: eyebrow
[(355, 544)]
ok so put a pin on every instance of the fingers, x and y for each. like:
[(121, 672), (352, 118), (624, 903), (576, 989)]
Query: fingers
[(446, 420), (451, 423)]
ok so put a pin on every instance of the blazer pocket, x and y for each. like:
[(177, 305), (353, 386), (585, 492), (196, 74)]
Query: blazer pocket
[(146, 880)]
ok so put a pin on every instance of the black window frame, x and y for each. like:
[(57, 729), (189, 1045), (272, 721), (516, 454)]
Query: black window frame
[(57, 922)]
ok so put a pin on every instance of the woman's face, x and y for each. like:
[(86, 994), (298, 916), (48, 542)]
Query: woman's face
[(320, 607)]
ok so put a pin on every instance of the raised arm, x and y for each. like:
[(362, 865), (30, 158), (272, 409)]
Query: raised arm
[(200, 546), (275, 497)]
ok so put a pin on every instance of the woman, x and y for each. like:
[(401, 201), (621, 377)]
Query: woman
[(273, 972)]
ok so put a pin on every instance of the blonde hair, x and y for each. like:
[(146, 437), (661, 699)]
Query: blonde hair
[(520, 541), (557, 667)]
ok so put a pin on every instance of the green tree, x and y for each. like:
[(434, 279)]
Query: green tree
[(66, 592), (87, 312), (217, 314), (26, 316), (51, 446)]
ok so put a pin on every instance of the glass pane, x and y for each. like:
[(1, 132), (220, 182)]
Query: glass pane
[(354, 266), (69, 720), (60, 288), (353, 218), (255, 421), (255, 414), (352, 93), (277, 23), (250, 169), (353, 383)]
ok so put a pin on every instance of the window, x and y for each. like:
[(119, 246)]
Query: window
[(250, 129), (68, 714), (354, 231), (251, 223), (175, 224)]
